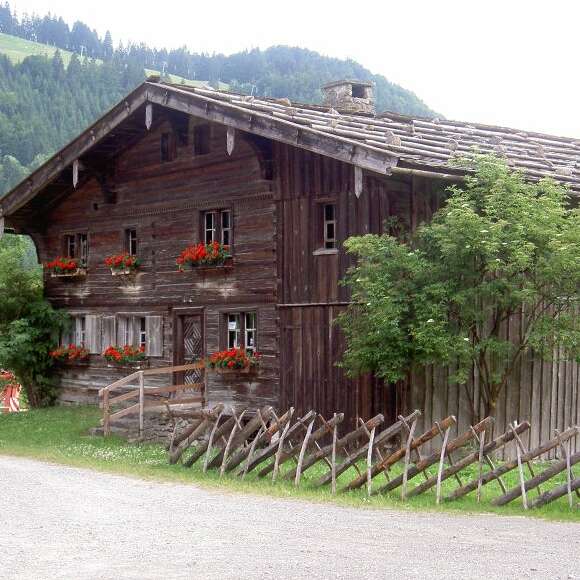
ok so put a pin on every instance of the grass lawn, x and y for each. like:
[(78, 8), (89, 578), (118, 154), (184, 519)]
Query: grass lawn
[(17, 49), (60, 435)]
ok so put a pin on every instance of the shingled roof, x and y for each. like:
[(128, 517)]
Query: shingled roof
[(388, 143), (428, 143)]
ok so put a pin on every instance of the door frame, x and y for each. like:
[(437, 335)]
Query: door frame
[(178, 329)]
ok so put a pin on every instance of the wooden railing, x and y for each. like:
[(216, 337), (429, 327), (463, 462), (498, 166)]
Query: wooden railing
[(142, 391)]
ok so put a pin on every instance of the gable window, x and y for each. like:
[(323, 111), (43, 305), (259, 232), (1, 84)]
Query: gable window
[(218, 227), (201, 139), (167, 148), (242, 329), (76, 246), (329, 225), (131, 242)]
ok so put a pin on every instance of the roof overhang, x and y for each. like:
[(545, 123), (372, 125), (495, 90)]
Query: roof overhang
[(206, 107)]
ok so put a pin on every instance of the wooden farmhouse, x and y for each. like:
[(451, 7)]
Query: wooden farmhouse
[(283, 185)]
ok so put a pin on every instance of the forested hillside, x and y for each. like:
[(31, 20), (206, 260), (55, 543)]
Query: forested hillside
[(44, 103)]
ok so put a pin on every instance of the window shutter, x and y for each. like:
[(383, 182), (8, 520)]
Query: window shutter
[(108, 333), (154, 330), (93, 333), (78, 333), (121, 330)]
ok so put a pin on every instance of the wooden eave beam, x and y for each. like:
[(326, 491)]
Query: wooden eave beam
[(277, 129), (23, 193)]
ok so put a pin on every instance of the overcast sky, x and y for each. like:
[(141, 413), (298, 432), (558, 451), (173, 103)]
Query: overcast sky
[(508, 62)]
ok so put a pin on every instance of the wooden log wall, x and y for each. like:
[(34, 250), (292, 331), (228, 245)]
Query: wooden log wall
[(164, 202)]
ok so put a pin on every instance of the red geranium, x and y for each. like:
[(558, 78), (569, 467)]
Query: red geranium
[(233, 358), (212, 254), (122, 262), (63, 265), (70, 353), (125, 354)]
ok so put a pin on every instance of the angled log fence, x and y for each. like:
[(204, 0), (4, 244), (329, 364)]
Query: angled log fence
[(287, 446)]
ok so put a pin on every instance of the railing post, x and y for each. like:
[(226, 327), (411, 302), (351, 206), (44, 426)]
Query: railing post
[(106, 414), (141, 402)]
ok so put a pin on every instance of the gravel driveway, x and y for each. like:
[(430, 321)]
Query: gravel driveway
[(59, 522)]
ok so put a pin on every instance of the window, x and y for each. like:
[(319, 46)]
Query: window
[(226, 227), (135, 330), (201, 139), (142, 322), (329, 225), (77, 246), (242, 329), (70, 246), (210, 230), (77, 332), (83, 242), (131, 242), (218, 227), (167, 151)]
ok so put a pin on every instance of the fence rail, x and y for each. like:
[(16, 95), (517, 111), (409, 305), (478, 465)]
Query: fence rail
[(267, 442), (141, 392)]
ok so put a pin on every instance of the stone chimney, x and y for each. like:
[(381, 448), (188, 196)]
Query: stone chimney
[(350, 96)]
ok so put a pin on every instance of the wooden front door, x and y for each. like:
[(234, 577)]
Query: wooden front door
[(189, 347)]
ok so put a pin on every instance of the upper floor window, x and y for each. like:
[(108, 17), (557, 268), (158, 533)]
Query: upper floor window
[(77, 246), (329, 225), (131, 241), (201, 139), (242, 330), (218, 227), (167, 147)]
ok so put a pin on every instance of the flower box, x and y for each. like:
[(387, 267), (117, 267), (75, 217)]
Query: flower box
[(122, 264), (65, 268), (232, 372), (78, 273), (233, 362), (127, 356), (205, 257), (70, 354), (124, 272)]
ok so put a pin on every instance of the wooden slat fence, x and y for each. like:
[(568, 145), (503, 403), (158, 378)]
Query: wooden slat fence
[(286, 447)]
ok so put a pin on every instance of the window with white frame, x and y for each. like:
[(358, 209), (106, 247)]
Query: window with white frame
[(76, 333), (218, 227), (143, 331), (242, 330), (329, 225), (76, 246)]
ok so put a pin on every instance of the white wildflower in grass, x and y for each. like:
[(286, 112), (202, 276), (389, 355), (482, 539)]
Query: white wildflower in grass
[(466, 339), (430, 320)]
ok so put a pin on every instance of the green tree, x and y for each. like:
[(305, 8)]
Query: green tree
[(28, 324), (500, 248)]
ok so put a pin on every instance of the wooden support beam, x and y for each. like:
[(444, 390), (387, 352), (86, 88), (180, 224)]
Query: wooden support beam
[(264, 437), (512, 464), (382, 437), (341, 444), (492, 446), (456, 443), (295, 449), (556, 493), (530, 484), (399, 454), (244, 434)]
